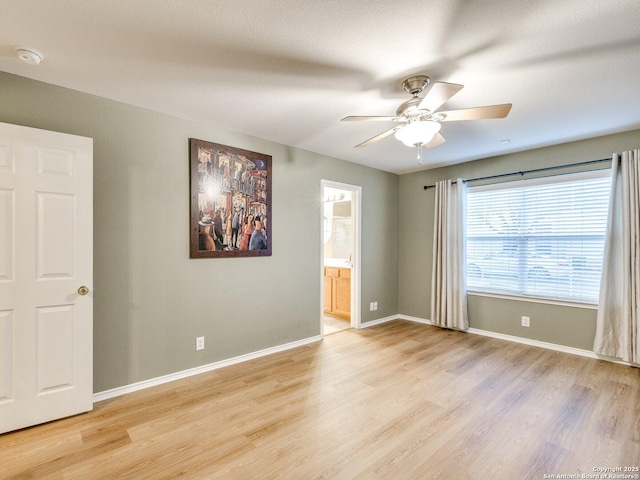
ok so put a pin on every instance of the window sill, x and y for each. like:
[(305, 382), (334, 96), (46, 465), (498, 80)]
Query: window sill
[(523, 298)]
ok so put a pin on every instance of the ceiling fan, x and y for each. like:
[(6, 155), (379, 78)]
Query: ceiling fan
[(420, 119)]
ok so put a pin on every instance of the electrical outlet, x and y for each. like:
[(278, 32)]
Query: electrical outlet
[(199, 343), (526, 322), (371, 309), (375, 305)]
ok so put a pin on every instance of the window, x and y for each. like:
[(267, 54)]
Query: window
[(541, 238)]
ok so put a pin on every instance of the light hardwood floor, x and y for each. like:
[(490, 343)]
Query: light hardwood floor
[(395, 401), (334, 324)]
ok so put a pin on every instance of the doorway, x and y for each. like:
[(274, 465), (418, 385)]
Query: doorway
[(340, 267)]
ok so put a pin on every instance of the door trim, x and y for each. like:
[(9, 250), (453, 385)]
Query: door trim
[(356, 248)]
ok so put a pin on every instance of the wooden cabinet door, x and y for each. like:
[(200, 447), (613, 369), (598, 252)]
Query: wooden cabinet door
[(327, 294), (342, 294), (337, 291)]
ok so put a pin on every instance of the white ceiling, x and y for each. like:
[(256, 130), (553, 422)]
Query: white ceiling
[(289, 70)]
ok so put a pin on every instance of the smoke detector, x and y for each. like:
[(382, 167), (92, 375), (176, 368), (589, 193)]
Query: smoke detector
[(29, 55)]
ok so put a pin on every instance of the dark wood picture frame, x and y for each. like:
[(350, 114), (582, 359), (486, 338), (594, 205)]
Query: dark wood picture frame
[(230, 201)]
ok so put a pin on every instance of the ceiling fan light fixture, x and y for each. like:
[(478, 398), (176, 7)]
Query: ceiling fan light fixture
[(417, 133)]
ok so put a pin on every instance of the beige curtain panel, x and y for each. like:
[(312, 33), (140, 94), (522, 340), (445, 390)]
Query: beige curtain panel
[(617, 319), (448, 283)]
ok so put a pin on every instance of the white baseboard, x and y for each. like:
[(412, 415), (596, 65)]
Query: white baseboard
[(116, 392), (379, 321), (528, 341), (414, 319)]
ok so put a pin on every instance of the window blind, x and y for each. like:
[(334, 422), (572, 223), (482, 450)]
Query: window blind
[(542, 238)]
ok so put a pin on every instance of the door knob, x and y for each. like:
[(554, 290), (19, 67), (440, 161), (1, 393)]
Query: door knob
[(83, 290)]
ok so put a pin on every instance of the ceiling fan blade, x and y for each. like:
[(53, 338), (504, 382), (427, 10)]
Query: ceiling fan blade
[(435, 141), (438, 94), (377, 137), (371, 119), (477, 113)]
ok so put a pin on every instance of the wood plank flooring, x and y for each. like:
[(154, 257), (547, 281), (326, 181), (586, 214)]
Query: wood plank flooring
[(396, 401), (334, 324)]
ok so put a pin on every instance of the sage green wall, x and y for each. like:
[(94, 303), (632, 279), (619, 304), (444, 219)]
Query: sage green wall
[(151, 300), (562, 325)]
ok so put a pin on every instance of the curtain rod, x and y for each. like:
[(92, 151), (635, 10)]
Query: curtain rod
[(535, 170)]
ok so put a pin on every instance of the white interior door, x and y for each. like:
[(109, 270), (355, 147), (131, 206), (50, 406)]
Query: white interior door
[(46, 256)]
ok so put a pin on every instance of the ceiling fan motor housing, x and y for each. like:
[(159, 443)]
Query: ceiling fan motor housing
[(408, 107), (415, 85)]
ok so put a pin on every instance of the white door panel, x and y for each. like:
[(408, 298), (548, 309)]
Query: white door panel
[(46, 254), (5, 156), (6, 234), (6, 355), (55, 235)]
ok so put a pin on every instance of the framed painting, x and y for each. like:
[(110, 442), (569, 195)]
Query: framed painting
[(230, 201)]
